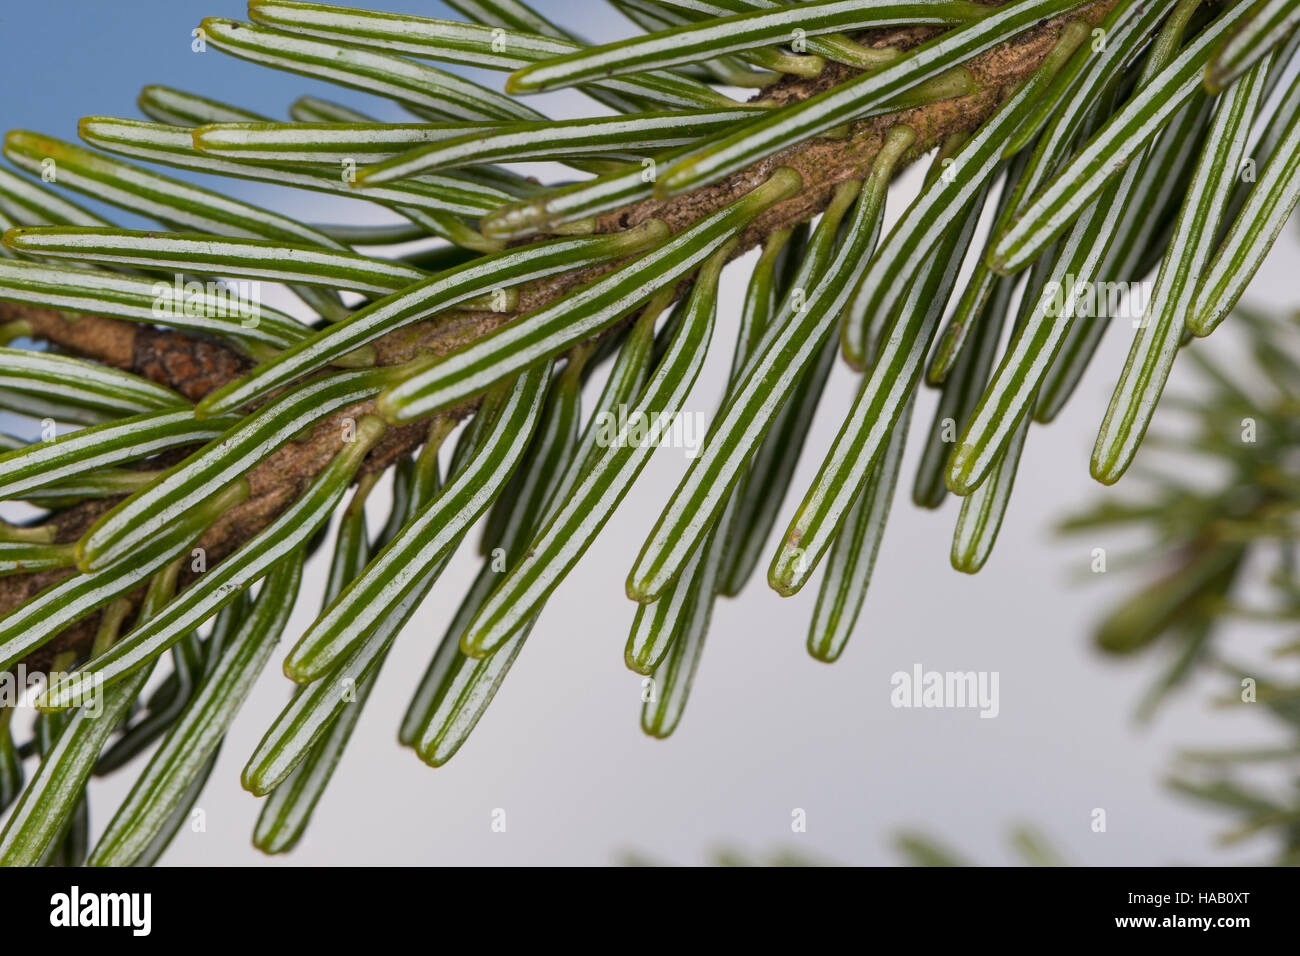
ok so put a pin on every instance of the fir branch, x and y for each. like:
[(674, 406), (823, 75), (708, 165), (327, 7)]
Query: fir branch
[(1051, 97), (197, 367)]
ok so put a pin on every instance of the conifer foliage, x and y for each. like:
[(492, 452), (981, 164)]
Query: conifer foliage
[(198, 445)]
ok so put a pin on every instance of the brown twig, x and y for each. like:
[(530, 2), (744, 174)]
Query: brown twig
[(195, 365)]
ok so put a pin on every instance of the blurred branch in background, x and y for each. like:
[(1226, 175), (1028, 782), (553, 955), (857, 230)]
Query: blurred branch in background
[(1225, 551), (1216, 551)]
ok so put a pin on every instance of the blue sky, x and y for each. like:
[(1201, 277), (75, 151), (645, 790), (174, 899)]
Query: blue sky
[(88, 57)]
